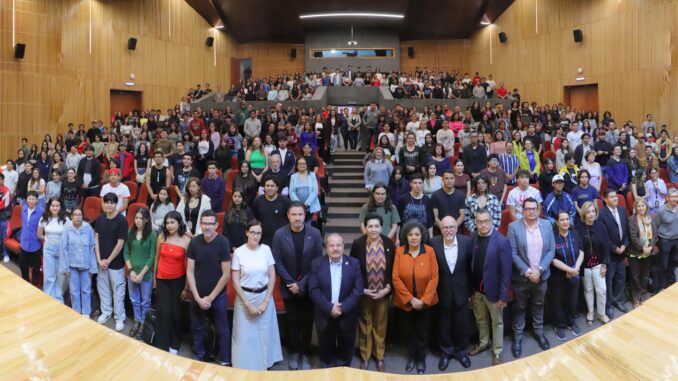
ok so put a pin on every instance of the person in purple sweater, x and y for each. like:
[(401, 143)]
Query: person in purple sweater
[(214, 187), (617, 171)]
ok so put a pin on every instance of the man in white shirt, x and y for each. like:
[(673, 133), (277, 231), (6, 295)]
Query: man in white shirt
[(574, 136), (119, 189), (11, 176), (521, 193)]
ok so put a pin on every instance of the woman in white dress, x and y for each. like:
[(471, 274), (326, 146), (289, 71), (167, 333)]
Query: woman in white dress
[(255, 343)]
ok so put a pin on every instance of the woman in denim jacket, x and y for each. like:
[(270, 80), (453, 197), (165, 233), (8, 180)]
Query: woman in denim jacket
[(78, 259)]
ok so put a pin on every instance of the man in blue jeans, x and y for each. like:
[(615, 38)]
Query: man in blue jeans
[(208, 270)]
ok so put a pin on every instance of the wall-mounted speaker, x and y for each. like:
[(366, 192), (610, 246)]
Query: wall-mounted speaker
[(578, 35), (132, 43), (19, 51), (410, 51), (317, 54), (380, 52), (210, 41), (502, 37), (293, 53)]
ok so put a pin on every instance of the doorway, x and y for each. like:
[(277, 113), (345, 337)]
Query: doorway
[(245, 69), (125, 101), (583, 97)]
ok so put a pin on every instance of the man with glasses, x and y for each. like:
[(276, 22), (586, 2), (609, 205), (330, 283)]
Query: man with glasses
[(532, 250), (207, 273), (491, 280), (453, 253)]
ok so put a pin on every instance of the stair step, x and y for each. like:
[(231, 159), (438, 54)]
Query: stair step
[(345, 210), (346, 161), (348, 176), (333, 216), (344, 222), (353, 169), (349, 192), (356, 187), (343, 180)]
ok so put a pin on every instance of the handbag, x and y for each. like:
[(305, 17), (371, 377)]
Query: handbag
[(150, 327)]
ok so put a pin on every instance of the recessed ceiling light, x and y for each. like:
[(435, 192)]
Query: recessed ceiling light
[(353, 14)]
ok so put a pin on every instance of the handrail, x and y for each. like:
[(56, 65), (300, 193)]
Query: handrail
[(42, 339)]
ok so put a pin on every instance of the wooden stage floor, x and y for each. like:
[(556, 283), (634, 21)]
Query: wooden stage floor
[(41, 339)]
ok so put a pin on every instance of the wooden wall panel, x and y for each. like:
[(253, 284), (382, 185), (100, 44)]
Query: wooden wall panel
[(451, 54), (59, 81), (272, 59), (630, 49)]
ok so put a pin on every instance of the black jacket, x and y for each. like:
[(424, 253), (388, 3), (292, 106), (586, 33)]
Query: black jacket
[(359, 250), (95, 172), (454, 289), (612, 228)]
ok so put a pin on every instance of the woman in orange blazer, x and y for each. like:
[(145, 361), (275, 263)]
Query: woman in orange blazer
[(415, 279)]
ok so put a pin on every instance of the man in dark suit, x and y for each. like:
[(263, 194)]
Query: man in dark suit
[(335, 286), (532, 249), (616, 223), (288, 160), (491, 279), (294, 247), (453, 253)]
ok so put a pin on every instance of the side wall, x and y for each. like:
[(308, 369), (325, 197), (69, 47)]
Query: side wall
[(439, 54), (60, 81), (630, 49)]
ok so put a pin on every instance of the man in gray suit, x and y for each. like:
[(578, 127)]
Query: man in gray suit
[(532, 249)]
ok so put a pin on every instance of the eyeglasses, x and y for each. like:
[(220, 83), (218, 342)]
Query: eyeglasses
[(530, 209), (483, 222), (208, 223), (255, 233)]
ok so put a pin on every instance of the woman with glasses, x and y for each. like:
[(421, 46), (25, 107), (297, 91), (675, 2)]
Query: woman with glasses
[(656, 191), (256, 342)]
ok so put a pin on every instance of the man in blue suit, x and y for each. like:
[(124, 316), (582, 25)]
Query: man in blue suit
[(335, 286), (491, 280), (616, 223), (532, 250)]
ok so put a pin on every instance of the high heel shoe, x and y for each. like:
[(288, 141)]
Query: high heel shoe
[(589, 319)]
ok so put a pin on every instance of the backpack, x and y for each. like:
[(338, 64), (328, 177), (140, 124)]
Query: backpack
[(150, 327)]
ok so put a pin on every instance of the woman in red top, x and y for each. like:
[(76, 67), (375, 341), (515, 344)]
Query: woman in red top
[(170, 280)]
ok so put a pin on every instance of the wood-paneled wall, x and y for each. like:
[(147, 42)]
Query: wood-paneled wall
[(272, 59), (452, 54), (60, 81), (630, 49)]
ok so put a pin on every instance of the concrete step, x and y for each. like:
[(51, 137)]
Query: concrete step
[(349, 192), (339, 180), (356, 169), (346, 161), (345, 201), (345, 210), (348, 176)]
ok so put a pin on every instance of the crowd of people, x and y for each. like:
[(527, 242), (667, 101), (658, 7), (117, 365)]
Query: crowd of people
[(423, 83), (486, 205)]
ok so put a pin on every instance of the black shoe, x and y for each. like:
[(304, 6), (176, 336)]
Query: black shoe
[(543, 342), (621, 307), (609, 312), (574, 328), (560, 333), (465, 361), (135, 330), (410, 366), (421, 367), (517, 348), (443, 363)]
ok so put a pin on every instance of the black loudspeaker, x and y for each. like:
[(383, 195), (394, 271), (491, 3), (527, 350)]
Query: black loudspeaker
[(293, 53), (210, 41), (19, 51), (502, 37), (317, 54), (578, 35), (380, 52), (132, 43), (410, 51)]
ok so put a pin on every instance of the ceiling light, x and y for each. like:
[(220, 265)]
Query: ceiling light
[(220, 26), (485, 20), (129, 83), (580, 78), (353, 14)]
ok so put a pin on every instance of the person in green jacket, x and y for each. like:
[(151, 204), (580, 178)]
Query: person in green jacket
[(139, 257), (529, 160)]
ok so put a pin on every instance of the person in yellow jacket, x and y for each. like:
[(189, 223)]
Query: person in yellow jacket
[(529, 160)]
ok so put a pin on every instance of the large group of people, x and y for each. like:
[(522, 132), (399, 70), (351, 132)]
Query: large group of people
[(422, 83), (485, 206)]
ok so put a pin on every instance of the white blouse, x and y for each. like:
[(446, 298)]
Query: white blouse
[(253, 265)]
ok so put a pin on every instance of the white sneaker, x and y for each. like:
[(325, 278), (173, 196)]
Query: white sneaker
[(85, 316), (103, 319), (173, 351), (5, 259), (119, 325)]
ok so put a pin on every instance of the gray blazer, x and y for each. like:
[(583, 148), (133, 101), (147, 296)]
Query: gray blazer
[(518, 238)]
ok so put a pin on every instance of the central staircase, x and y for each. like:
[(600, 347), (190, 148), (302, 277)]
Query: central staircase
[(347, 195)]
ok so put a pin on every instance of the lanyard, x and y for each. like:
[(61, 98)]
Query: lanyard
[(574, 257)]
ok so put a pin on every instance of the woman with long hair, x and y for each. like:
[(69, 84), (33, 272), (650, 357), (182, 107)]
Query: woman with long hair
[(169, 272), (594, 170), (481, 198), (160, 207), (560, 154), (79, 261), (397, 185), (139, 255), (377, 170), (204, 152), (308, 136), (380, 203), (303, 187), (546, 177), (50, 231), (638, 188), (462, 181), (432, 182), (643, 238), (37, 184), (142, 162), (257, 157), (246, 183), (236, 219), (438, 158), (193, 203), (255, 340)]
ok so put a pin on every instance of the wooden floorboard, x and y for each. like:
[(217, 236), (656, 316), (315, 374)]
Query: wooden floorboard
[(42, 339)]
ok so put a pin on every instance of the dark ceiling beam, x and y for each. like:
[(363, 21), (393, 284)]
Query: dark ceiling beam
[(206, 9)]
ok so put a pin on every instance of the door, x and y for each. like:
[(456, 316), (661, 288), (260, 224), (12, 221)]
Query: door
[(245, 68), (235, 71), (584, 97), (125, 101)]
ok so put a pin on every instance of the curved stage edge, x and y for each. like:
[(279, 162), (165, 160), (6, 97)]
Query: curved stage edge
[(42, 339)]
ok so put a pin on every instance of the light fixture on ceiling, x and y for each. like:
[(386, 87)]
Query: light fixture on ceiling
[(353, 14), (352, 41), (581, 78), (129, 83), (219, 26), (485, 20)]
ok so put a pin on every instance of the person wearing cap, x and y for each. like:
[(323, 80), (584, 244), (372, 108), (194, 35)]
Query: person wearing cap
[(125, 161), (558, 200), (118, 188)]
